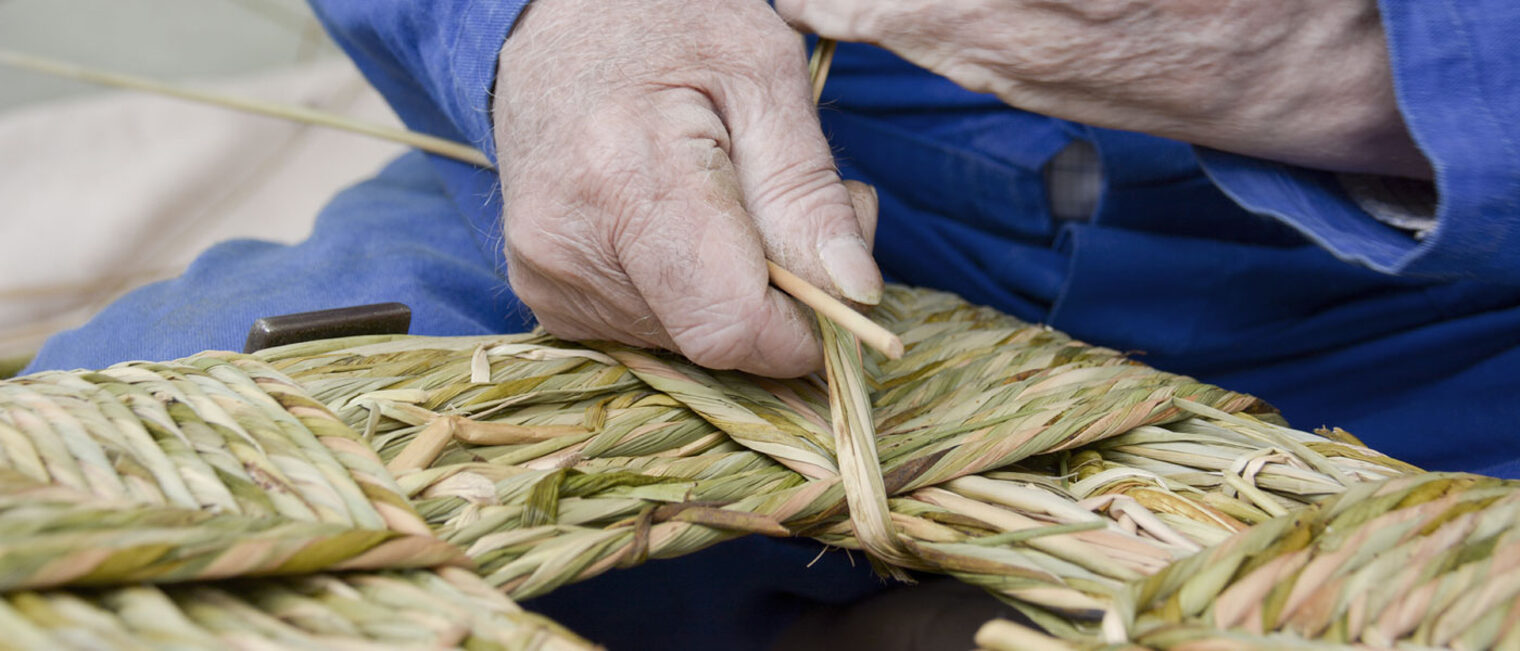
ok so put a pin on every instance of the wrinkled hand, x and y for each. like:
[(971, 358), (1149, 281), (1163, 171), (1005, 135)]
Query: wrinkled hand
[(1301, 81), (652, 155)]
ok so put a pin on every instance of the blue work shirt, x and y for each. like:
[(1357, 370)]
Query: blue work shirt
[(1255, 275), (1249, 274)]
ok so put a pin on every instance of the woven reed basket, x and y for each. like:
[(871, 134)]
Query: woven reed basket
[(400, 491)]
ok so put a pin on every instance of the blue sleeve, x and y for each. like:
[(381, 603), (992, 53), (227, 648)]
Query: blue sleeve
[(1456, 66), (434, 61)]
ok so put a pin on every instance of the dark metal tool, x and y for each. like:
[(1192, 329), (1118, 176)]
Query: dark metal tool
[(377, 319)]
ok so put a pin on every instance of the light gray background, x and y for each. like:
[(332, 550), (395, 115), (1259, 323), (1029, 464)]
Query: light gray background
[(175, 39)]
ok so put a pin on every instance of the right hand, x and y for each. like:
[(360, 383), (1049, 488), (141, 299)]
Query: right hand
[(652, 156)]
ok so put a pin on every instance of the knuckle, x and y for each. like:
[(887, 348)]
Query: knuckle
[(525, 239), (544, 250), (799, 182), (719, 338), (614, 186), (801, 204), (778, 46), (751, 38), (686, 113), (870, 24), (539, 296), (564, 329), (612, 168), (793, 9), (842, 19)]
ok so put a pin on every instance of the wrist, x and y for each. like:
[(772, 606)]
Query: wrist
[(1324, 99)]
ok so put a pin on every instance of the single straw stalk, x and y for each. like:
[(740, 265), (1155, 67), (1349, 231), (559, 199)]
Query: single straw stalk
[(850, 407), (872, 334), (818, 65), (864, 329), (300, 114)]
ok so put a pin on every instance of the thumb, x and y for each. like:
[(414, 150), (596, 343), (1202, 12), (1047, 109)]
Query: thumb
[(806, 217), (867, 204), (831, 19)]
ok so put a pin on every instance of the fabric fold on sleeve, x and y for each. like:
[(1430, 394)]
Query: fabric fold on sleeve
[(435, 62), (1458, 86)]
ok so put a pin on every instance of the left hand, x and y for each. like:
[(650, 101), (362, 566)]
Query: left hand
[(1306, 82)]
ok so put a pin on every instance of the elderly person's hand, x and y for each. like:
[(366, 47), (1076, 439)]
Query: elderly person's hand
[(652, 155), (1300, 81)]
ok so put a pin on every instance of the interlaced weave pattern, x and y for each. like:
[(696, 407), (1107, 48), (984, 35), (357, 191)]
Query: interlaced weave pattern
[(1110, 502)]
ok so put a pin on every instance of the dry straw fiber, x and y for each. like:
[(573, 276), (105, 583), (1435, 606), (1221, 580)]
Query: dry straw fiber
[(1111, 503), (131, 498)]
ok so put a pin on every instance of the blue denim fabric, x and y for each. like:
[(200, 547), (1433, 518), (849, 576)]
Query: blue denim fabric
[(1171, 267), (435, 62), (396, 237), (1458, 87)]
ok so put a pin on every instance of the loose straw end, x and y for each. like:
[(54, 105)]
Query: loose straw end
[(867, 331), (294, 113), (882, 341)]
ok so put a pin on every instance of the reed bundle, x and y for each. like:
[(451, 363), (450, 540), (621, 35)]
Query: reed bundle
[(209, 502), (1111, 503), (381, 610), (1425, 561), (142, 505)]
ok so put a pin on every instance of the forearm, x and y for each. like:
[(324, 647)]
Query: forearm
[(1299, 81), (1323, 99), (1457, 92)]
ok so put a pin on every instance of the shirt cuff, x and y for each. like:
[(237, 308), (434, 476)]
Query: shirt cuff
[(473, 50), (1457, 93), (1313, 202), (1460, 245)]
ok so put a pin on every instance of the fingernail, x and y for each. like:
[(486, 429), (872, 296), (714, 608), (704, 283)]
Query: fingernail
[(850, 266)]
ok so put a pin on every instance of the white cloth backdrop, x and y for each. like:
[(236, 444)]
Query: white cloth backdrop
[(100, 195)]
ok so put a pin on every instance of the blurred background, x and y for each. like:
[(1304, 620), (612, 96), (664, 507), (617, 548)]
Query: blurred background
[(104, 190)]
